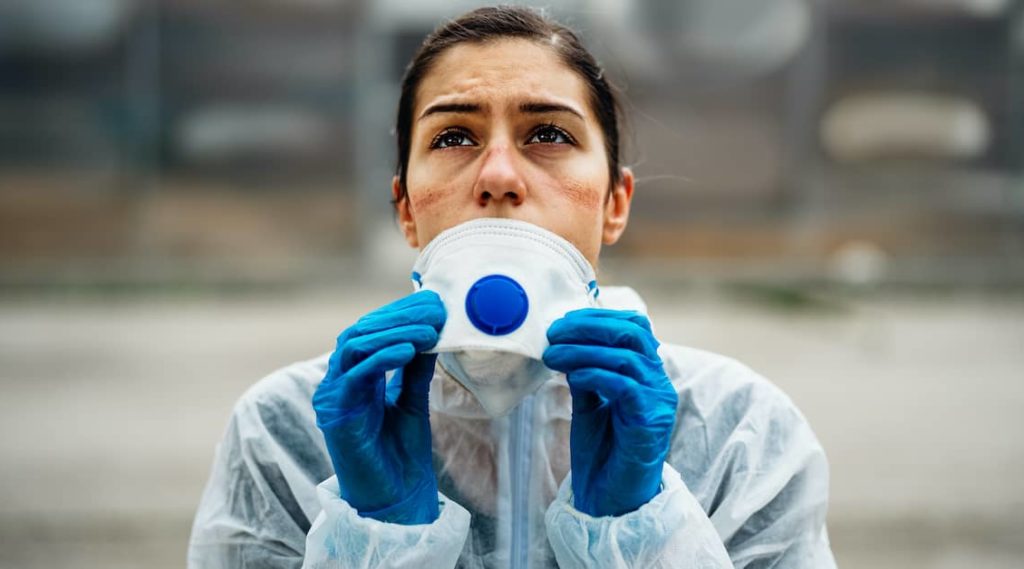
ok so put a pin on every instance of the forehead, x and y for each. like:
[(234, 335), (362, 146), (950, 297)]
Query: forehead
[(493, 72)]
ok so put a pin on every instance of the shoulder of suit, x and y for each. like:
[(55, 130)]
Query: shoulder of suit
[(724, 392), (289, 386), (705, 374)]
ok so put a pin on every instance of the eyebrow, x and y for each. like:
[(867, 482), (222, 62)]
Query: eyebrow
[(544, 108), (533, 108), (450, 108)]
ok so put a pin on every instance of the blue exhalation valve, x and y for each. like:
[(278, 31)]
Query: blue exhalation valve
[(497, 305)]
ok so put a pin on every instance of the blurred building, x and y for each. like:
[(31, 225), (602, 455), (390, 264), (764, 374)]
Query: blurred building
[(251, 139)]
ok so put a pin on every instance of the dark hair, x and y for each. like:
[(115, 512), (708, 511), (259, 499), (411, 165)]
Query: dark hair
[(499, 22)]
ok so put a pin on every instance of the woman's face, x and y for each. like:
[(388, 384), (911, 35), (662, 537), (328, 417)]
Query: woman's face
[(504, 129)]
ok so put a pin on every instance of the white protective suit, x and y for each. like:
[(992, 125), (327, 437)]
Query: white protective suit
[(745, 483)]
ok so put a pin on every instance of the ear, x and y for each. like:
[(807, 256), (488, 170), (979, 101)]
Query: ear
[(616, 208), (406, 221)]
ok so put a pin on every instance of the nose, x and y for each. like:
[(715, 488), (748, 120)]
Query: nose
[(499, 179)]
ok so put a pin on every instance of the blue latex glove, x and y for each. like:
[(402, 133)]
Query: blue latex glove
[(379, 436), (623, 407)]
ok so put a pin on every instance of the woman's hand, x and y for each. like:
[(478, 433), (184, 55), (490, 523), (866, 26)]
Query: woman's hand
[(378, 435), (623, 407)]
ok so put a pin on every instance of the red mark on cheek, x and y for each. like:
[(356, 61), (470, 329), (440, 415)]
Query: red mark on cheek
[(583, 195), (426, 199)]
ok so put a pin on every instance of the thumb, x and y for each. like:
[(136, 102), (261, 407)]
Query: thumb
[(414, 387)]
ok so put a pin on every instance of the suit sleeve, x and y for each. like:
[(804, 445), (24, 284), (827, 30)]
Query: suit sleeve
[(745, 485), (272, 501), (341, 538), (669, 531)]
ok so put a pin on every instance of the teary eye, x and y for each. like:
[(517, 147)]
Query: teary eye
[(550, 134), (450, 138)]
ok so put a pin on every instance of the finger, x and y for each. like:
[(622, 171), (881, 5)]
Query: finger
[(357, 349), (613, 387), (429, 314), (391, 316), (378, 321), (334, 362), (364, 383), (419, 298), (570, 357), (629, 315), (583, 400), (412, 383), (602, 331)]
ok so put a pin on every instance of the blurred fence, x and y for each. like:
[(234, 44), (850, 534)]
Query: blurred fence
[(247, 143), (860, 141)]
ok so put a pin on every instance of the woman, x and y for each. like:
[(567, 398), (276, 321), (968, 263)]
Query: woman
[(637, 455)]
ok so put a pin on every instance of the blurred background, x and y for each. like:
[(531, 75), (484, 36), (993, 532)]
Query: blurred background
[(194, 193)]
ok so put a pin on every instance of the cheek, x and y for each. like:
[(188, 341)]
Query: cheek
[(427, 199), (434, 211), (583, 195), (579, 213)]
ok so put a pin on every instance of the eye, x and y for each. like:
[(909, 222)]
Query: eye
[(452, 137), (550, 134)]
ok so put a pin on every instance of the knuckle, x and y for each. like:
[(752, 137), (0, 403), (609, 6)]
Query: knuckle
[(626, 337), (652, 364), (356, 330), (427, 295), (672, 398), (631, 392), (428, 333), (629, 363), (353, 351), (436, 313), (624, 367)]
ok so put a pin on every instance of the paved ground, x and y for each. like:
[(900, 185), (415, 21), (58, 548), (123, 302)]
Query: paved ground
[(109, 410)]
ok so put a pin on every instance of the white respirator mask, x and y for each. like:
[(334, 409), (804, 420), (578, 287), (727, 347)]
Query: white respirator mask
[(503, 282)]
